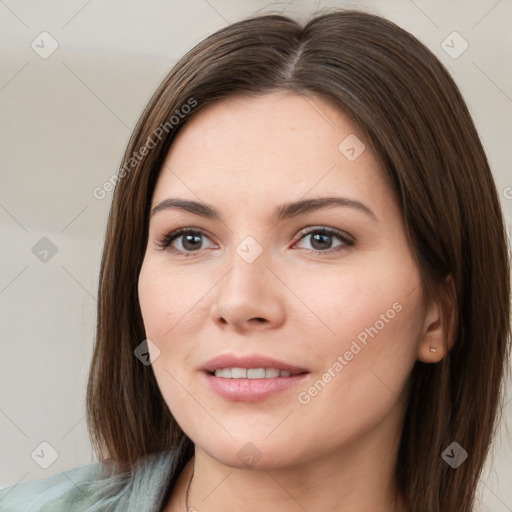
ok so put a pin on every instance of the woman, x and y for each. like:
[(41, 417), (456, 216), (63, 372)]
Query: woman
[(304, 297)]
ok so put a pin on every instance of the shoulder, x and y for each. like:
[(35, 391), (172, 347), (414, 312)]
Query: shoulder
[(90, 488), (56, 490)]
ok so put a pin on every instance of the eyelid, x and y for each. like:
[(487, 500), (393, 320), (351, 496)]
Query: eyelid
[(349, 239)]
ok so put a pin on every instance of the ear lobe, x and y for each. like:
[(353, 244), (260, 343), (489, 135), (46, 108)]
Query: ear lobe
[(439, 325)]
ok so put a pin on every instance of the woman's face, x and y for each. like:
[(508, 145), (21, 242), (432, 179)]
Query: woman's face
[(270, 280)]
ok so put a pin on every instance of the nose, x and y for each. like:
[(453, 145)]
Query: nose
[(249, 296)]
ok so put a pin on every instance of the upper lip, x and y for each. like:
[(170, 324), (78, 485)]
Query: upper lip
[(249, 361)]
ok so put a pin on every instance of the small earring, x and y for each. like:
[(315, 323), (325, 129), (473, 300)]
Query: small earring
[(433, 350)]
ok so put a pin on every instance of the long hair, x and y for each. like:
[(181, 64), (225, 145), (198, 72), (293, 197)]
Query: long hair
[(419, 127)]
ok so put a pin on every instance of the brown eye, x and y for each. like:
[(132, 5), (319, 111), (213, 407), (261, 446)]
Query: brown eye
[(190, 240), (322, 240)]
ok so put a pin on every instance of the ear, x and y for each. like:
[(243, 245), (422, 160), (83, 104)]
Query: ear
[(438, 333)]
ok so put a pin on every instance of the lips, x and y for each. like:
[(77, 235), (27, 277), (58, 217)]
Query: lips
[(249, 362), (240, 388)]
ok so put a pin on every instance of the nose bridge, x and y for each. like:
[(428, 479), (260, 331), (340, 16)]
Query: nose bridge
[(248, 289), (248, 267)]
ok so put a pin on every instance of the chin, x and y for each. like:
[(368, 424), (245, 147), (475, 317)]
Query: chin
[(250, 452)]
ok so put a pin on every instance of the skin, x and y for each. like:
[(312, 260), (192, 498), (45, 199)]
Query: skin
[(245, 156)]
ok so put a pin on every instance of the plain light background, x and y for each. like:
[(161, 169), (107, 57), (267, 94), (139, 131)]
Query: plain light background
[(66, 120)]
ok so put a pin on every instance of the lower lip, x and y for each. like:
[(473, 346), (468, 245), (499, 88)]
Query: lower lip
[(251, 390)]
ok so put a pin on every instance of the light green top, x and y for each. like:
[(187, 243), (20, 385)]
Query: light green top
[(83, 489)]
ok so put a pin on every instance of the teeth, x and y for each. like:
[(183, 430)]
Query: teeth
[(251, 373), (256, 373), (238, 373)]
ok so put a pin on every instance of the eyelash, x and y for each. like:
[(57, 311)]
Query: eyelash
[(164, 242)]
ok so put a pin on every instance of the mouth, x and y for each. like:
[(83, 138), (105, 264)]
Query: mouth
[(253, 373), (250, 366), (250, 378)]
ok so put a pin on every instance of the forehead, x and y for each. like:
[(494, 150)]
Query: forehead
[(274, 147), (265, 128)]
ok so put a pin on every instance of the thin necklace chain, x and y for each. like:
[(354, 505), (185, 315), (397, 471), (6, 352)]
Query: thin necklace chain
[(188, 490)]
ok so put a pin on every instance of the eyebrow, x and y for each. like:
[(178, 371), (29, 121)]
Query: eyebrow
[(284, 211)]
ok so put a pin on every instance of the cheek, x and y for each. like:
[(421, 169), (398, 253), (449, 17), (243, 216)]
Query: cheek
[(165, 299), (366, 303), (366, 356), (162, 306), (172, 310), (150, 291)]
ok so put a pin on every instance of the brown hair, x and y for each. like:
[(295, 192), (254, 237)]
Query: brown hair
[(418, 125)]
